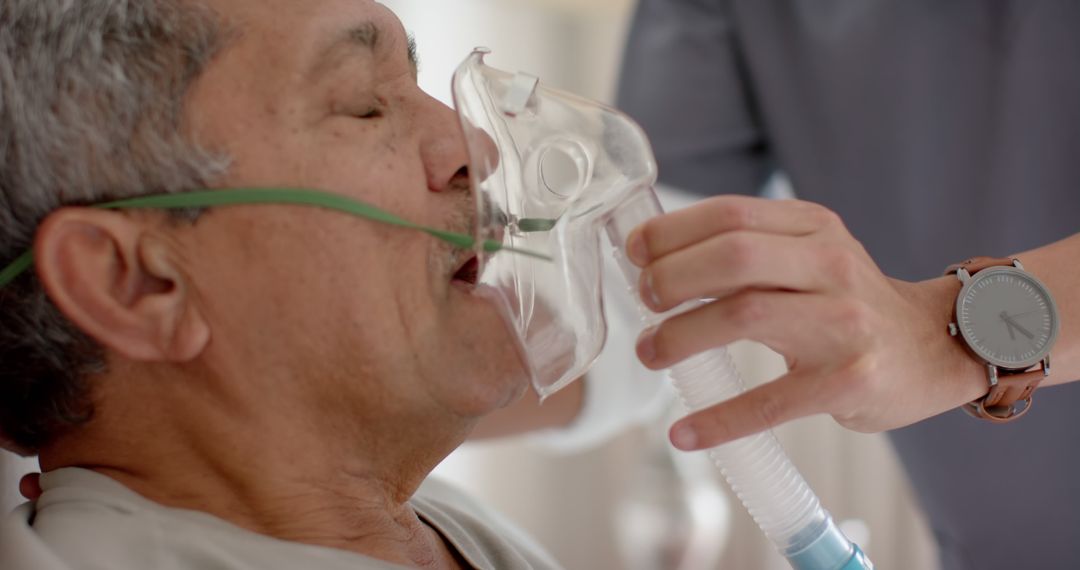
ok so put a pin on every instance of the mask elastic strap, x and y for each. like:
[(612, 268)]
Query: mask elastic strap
[(305, 197)]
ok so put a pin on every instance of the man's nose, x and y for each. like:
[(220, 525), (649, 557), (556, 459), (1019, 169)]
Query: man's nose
[(446, 148)]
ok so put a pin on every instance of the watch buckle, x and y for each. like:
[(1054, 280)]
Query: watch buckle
[(998, 414)]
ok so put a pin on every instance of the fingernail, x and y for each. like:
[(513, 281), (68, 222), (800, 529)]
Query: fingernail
[(648, 293), (684, 437), (635, 248), (646, 347)]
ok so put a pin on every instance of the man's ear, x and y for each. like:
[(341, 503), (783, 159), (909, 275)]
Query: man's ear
[(120, 284)]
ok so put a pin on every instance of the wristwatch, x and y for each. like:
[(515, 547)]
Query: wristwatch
[(1008, 320)]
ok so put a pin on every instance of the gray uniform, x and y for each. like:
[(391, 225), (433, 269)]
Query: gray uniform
[(938, 130)]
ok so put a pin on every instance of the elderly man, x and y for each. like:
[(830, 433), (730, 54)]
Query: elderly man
[(259, 386)]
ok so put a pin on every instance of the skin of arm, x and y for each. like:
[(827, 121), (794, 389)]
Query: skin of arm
[(872, 352)]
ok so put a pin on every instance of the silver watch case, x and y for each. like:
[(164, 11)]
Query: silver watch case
[(1042, 356)]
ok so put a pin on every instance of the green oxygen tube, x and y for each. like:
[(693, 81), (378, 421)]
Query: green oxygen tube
[(289, 196)]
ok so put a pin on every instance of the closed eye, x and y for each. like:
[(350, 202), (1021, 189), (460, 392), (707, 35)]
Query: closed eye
[(373, 113)]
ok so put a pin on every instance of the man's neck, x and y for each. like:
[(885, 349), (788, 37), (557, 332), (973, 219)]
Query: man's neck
[(283, 483)]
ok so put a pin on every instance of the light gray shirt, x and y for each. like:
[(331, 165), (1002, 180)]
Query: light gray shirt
[(938, 130), (87, 521)]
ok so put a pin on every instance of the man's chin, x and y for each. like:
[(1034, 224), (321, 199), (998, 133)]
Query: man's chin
[(522, 386), (504, 326)]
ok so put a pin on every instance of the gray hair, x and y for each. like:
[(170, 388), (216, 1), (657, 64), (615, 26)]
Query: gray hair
[(92, 97)]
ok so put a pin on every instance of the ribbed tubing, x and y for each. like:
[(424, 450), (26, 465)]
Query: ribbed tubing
[(756, 467)]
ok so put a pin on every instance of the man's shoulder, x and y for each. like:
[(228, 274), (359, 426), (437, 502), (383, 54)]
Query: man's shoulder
[(482, 535), (86, 520), (74, 524), (21, 548)]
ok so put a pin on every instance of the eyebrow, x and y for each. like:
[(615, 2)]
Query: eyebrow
[(414, 57), (365, 35)]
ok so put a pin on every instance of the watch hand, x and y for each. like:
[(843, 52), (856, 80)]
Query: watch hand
[(1022, 330), (1009, 326)]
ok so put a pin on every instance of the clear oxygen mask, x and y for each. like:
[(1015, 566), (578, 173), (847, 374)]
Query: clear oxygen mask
[(549, 169)]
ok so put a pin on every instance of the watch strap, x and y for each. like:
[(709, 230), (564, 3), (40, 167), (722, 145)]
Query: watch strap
[(977, 264), (1010, 398), (1010, 390)]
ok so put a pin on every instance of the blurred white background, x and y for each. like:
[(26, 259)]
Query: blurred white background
[(624, 504)]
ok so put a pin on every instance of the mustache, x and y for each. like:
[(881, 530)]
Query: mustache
[(481, 209), (463, 218), (473, 210), (473, 215)]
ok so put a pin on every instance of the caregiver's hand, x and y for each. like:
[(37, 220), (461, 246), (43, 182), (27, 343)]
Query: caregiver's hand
[(873, 352)]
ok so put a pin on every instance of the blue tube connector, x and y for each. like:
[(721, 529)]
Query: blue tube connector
[(830, 551)]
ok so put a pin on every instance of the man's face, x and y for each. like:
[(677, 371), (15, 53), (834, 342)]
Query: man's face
[(358, 316)]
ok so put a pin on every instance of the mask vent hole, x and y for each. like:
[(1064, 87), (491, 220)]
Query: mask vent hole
[(562, 170)]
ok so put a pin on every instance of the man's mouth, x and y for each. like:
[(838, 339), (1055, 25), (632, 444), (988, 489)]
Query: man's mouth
[(469, 272)]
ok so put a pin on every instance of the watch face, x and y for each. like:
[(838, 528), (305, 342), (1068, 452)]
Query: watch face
[(1007, 317)]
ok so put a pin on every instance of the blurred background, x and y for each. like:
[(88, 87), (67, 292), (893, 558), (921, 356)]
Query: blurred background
[(629, 501)]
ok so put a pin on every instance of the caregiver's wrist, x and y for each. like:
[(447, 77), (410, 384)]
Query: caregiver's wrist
[(956, 376)]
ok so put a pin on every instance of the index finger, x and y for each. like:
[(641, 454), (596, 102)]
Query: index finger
[(665, 234), (787, 398)]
